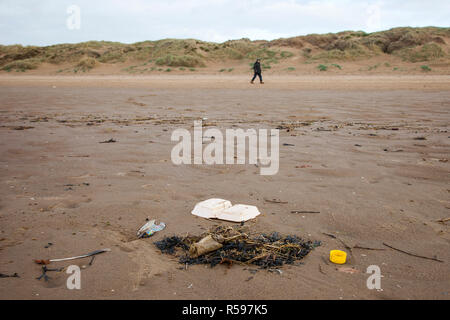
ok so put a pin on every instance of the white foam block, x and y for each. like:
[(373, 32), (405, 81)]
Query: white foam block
[(239, 213), (210, 208)]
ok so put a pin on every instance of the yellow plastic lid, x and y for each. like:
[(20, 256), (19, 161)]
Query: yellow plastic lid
[(338, 256)]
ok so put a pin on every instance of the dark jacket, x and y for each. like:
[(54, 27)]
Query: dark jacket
[(257, 67)]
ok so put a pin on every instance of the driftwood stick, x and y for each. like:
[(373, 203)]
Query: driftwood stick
[(412, 254), (367, 248), (329, 234), (300, 211), (275, 201)]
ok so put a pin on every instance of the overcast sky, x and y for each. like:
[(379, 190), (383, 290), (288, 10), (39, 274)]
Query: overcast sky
[(45, 22)]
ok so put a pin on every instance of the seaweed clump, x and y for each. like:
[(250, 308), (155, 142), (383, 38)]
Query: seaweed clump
[(264, 250)]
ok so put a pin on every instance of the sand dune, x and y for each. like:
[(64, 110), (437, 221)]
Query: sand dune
[(395, 51)]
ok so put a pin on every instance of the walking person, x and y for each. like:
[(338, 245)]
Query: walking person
[(257, 70)]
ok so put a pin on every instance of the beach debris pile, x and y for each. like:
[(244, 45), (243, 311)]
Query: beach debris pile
[(233, 245)]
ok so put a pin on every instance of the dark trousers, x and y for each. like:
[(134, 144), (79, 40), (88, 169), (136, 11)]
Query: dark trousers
[(257, 74)]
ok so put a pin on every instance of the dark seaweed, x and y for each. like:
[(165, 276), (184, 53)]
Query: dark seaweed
[(265, 251), (168, 244)]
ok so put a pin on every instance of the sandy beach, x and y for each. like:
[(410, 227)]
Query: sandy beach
[(369, 154)]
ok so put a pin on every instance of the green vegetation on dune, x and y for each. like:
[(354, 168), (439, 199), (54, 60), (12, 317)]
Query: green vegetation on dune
[(336, 66), (427, 52), (401, 38), (425, 68), (21, 65), (337, 54), (322, 67), (179, 61), (286, 54), (86, 64), (112, 56), (411, 44)]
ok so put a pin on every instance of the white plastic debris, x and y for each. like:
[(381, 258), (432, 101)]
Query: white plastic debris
[(148, 229), (223, 210), (239, 213), (210, 208)]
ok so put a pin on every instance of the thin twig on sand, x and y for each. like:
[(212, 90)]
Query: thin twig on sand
[(412, 254), (367, 248), (330, 235), (275, 201), (299, 211)]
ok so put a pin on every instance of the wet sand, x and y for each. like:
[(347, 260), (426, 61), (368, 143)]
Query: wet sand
[(369, 153)]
